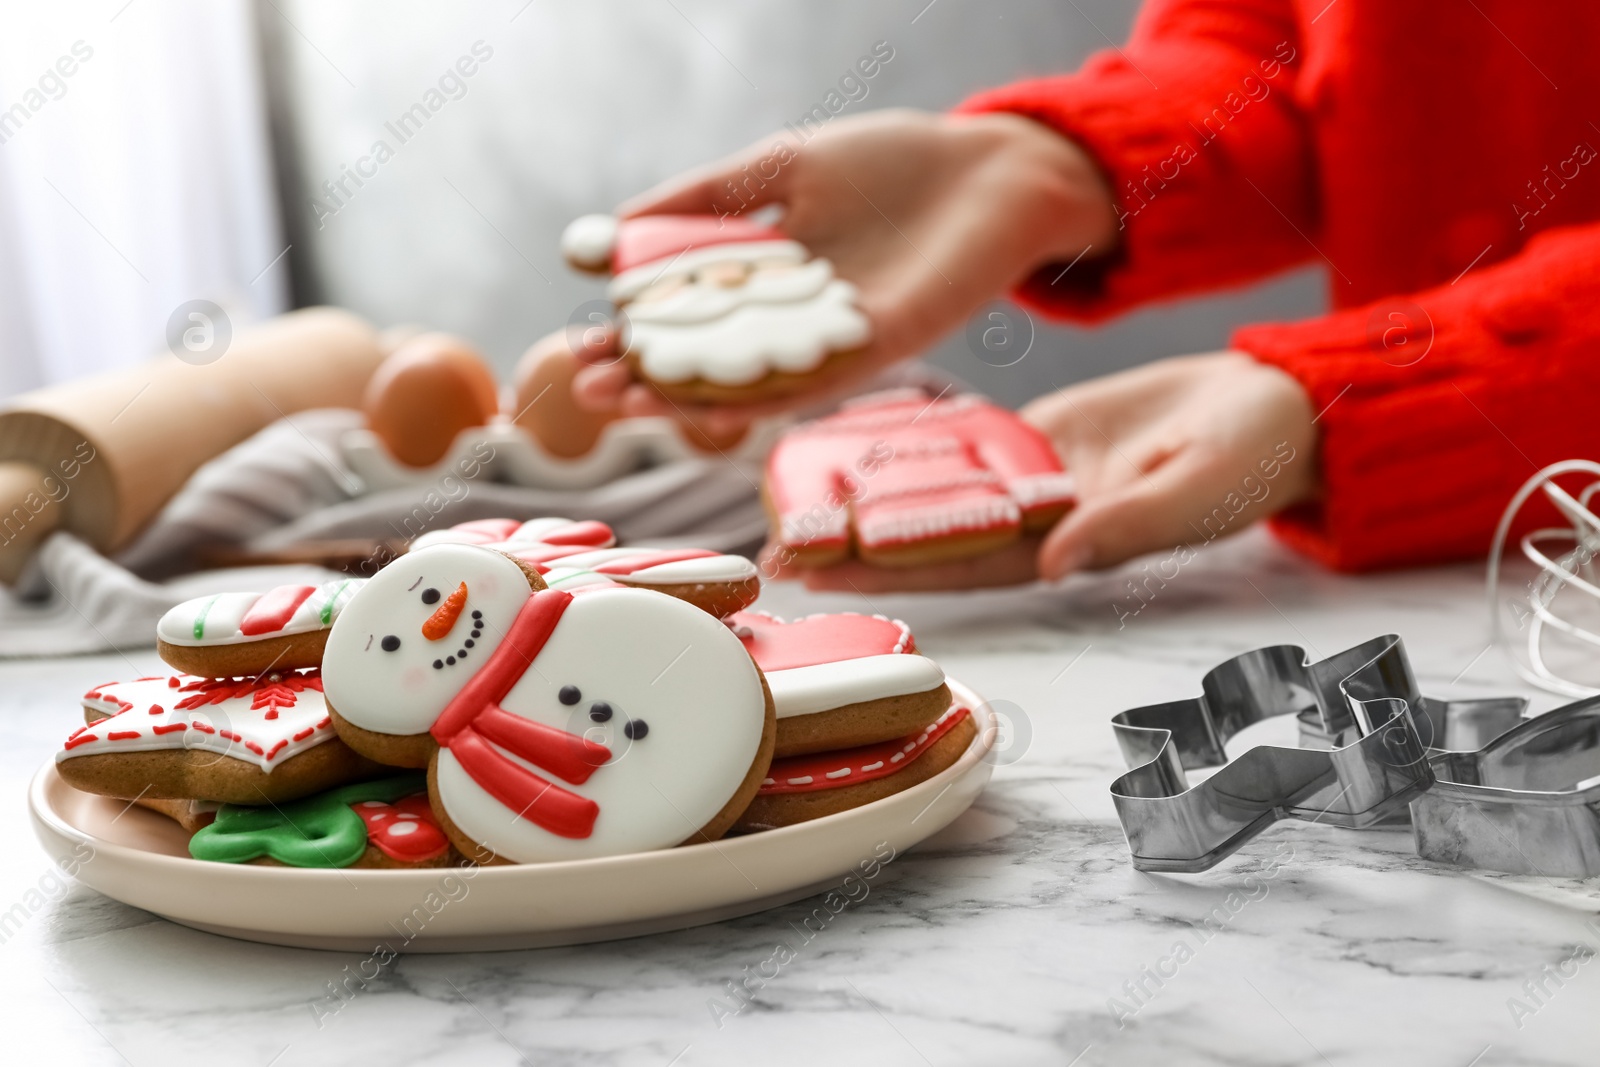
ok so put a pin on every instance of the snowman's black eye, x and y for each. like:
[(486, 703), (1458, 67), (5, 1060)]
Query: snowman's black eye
[(390, 643), (636, 729), (430, 596), (570, 694)]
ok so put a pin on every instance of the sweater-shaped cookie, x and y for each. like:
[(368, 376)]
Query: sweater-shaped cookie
[(905, 480), (721, 310), (554, 726), (711, 581), (228, 635)]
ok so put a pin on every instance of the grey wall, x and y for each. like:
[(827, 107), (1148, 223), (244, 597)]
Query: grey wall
[(582, 105)]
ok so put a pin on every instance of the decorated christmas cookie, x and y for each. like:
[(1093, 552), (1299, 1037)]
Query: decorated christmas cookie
[(711, 581), (384, 823), (842, 680), (721, 310), (235, 634), (801, 788), (554, 725), (239, 741), (900, 479)]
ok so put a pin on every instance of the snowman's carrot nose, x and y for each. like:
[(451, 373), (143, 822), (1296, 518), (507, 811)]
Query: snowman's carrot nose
[(441, 622)]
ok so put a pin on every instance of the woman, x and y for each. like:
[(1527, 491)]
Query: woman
[(1435, 160)]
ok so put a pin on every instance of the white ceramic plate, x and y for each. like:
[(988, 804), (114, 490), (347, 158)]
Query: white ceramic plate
[(142, 859)]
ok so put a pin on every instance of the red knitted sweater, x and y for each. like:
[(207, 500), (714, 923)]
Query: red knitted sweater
[(1438, 161)]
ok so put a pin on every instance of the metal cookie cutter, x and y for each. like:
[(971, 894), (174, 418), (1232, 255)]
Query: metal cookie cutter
[(1365, 731), (1526, 803)]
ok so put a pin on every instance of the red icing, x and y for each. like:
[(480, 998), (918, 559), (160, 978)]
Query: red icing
[(652, 237), (780, 646), (122, 735), (474, 714), (271, 691), (425, 841), (487, 531), (80, 738), (303, 734), (205, 728), (251, 745), (906, 468), (169, 728), (635, 564), (274, 609), (809, 774), (588, 533), (277, 748), (157, 709), (173, 683)]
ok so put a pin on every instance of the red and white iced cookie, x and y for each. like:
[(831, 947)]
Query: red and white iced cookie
[(842, 680), (554, 725), (233, 634), (899, 479), (712, 581), (801, 788), (721, 310), (237, 741)]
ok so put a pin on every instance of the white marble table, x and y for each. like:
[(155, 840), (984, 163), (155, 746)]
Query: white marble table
[(1002, 940)]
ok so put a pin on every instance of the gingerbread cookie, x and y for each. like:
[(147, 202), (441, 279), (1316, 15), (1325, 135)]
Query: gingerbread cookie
[(801, 788), (230, 635), (554, 725), (842, 680), (901, 480), (721, 310), (383, 823), (714, 582), (238, 741)]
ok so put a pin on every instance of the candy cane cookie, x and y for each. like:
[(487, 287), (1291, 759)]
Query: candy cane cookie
[(230, 635), (842, 680), (712, 581), (801, 788), (236, 741), (385, 823)]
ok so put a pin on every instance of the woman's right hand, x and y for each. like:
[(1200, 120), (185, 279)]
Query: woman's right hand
[(929, 215)]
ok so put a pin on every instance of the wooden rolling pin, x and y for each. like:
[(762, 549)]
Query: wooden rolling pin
[(100, 456)]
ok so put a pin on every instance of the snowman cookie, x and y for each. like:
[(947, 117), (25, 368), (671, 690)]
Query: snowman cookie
[(899, 479), (234, 634), (177, 737), (554, 725), (801, 788), (721, 310), (714, 582), (842, 680), (382, 823)]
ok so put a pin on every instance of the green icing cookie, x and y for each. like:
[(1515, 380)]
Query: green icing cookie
[(319, 831)]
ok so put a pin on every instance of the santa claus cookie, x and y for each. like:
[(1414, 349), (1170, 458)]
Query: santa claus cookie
[(900, 480), (240, 741), (843, 680), (383, 823), (801, 788), (233, 634), (553, 725), (721, 310), (712, 581)]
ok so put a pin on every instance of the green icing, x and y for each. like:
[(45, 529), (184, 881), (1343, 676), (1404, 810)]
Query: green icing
[(200, 619), (327, 609), (319, 831)]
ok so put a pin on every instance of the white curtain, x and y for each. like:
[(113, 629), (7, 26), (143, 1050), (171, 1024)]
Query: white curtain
[(134, 176)]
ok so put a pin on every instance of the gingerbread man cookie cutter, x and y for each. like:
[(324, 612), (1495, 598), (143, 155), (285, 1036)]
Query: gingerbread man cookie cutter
[(1368, 738)]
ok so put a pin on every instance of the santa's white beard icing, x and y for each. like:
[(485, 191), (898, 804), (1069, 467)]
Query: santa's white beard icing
[(571, 726), (782, 317)]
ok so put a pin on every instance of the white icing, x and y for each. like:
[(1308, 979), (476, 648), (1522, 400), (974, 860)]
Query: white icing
[(536, 530), (588, 240), (936, 520), (574, 578), (224, 613), (702, 303), (128, 706), (824, 686), (1035, 489), (635, 280), (755, 339), (652, 658), (711, 567), (400, 692)]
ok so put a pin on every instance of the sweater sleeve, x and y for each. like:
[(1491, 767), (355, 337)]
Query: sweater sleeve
[(1435, 407), (1196, 126)]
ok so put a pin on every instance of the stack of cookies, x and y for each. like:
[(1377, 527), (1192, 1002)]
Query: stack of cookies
[(510, 692)]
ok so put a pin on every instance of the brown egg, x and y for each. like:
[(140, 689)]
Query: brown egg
[(430, 389)]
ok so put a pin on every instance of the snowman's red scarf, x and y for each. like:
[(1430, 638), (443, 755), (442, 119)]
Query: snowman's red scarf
[(474, 718)]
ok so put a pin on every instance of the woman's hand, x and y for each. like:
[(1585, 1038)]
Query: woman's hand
[(1179, 451), (929, 215)]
